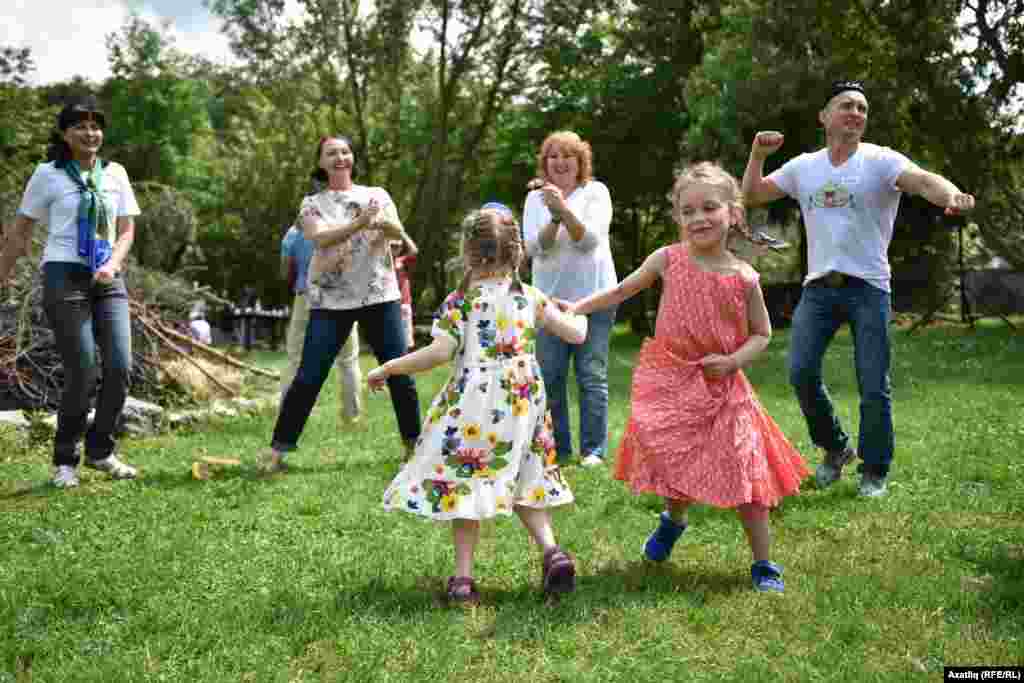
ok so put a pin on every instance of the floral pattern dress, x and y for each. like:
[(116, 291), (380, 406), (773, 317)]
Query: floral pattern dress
[(487, 444)]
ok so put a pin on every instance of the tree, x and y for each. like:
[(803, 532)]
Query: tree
[(478, 61), (615, 76), (160, 126), (269, 156), (166, 228), (26, 120), (15, 65), (421, 122), (994, 49), (300, 83), (769, 66)]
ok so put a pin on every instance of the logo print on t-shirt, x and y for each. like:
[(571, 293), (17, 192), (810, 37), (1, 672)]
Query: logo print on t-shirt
[(832, 196)]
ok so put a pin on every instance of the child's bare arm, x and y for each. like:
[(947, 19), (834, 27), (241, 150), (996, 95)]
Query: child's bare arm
[(760, 328), (637, 281), (440, 351), (568, 326), (758, 323)]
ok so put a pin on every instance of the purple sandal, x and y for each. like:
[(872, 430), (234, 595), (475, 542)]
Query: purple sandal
[(462, 591), (559, 572)]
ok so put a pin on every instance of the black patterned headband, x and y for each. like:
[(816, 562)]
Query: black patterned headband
[(844, 86)]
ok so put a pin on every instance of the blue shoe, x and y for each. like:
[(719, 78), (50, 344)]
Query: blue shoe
[(767, 577), (659, 544)]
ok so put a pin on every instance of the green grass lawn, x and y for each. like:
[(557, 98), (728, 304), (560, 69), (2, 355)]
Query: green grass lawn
[(302, 577)]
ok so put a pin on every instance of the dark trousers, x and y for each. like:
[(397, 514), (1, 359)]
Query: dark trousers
[(821, 311), (82, 314), (326, 332)]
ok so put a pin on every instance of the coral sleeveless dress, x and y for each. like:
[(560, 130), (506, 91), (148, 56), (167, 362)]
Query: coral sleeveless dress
[(691, 437)]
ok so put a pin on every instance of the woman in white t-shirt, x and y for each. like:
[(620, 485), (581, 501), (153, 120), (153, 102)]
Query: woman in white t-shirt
[(351, 278), (89, 208), (566, 220)]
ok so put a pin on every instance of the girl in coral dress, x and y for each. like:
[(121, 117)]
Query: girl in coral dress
[(697, 433), (486, 448)]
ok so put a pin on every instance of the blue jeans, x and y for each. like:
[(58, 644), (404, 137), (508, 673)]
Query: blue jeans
[(81, 313), (818, 316), (591, 366), (326, 332)]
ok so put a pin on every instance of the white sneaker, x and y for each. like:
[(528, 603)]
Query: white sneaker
[(114, 467), (592, 461), (66, 477), (871, 486)]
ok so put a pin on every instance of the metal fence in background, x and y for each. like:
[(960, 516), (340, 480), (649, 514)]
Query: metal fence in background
[(989, 292), (994, 292)]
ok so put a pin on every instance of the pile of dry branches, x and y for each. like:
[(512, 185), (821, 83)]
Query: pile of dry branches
[(31, 372)]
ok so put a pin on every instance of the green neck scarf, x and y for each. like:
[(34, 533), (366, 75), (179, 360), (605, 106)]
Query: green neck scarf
[(93, 214)]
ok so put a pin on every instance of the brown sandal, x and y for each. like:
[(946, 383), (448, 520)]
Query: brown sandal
[(559, 572), (462, 591)]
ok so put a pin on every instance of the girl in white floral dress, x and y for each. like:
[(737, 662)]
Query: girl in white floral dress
[(486, 448)]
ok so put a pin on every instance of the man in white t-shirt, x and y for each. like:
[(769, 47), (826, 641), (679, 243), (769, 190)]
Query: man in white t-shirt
[(849, 193)]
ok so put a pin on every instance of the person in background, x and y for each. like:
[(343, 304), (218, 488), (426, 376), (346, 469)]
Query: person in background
[(849, 193), (404, 254), (351, 278), (566, 219), (198, 327), (296, 252), (89, 208)]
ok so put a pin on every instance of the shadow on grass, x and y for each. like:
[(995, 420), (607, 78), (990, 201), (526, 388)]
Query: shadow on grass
[(642, 578), (811, 498), (15, 490), (247, 471), (519, 612), (614, 583)]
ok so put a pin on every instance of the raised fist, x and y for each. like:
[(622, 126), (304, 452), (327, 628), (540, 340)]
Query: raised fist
[(766, 143)]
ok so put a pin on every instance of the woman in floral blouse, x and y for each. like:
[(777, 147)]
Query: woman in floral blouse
[(351, 278)]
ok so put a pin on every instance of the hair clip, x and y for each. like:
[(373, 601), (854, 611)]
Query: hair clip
[(496, 206)]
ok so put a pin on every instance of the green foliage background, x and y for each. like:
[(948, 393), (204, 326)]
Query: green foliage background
[(446, 102)]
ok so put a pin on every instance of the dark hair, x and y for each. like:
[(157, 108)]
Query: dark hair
[(76, 109), (318, 173), (491, 238)]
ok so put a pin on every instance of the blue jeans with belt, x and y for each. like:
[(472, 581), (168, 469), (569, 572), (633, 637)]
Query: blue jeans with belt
[(822, 309), (326, 332), (591, 366), (84, 314)]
